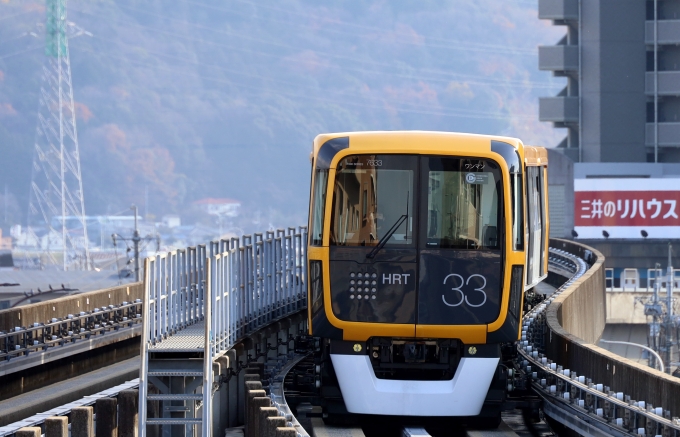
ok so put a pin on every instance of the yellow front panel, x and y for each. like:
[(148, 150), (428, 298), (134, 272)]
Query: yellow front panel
[(423, 143)]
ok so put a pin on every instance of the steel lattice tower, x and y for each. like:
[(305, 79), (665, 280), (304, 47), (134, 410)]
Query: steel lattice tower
[(57, 186)]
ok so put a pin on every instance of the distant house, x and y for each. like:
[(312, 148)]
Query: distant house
[(219, 207), (5, 242), (6, 260), (171, 221)]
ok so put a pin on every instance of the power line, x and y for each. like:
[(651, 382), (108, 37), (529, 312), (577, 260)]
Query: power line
[(477, 81), (20, 52), (463, 113), (277, 44), (470, 45), (453, 44)]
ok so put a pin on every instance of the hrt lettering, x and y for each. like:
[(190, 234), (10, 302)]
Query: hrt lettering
[(395, 278)]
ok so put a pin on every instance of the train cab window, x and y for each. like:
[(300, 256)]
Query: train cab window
[(463, 203), (378, 188), (318, 206)]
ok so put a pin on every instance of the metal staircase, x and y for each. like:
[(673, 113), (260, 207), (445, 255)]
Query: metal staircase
[(198, 303)]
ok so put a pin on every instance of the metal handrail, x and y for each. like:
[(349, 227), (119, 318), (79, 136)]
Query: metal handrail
[(234, 287)]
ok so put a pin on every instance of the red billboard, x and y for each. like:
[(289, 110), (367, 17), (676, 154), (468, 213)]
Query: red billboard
[(625, 207)]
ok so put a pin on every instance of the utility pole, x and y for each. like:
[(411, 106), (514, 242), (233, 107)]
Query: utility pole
[(56, 183), (668, 320), (135, 242), (663, 322), (653, 309), (6, 204)]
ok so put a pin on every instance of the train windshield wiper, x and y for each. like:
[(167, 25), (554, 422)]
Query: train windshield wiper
[(388, 235), (391, 231)]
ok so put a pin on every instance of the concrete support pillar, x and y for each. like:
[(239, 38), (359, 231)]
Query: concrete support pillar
[(264, 414), (252, 382), (233, 390), (250, 413), (128, 410), (82, 423), (56, 426), (153, 409), (256, 367), (241, 357), (256, 405), (107, 425), (29, 431), (223, 396), (272, 423), (286, 432)]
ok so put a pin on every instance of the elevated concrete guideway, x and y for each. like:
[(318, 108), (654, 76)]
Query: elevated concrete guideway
[(54, 395), (231, 289)]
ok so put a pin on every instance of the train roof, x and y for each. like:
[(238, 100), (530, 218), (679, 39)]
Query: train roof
[(436, 140)]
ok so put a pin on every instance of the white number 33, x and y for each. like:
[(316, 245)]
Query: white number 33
[(463, 297)]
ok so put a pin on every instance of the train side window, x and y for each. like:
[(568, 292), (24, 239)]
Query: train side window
[(318, 207), (514, 165), (517, 211), (544, 215)]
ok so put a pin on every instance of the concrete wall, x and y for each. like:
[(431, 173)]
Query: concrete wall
[(623, 307), (570, 341), (581, 310), (44, 311)]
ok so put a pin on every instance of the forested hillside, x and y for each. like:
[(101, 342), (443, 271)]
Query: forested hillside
[(195, 98)]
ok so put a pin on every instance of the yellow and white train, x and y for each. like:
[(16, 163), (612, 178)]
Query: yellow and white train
[(421, 247)]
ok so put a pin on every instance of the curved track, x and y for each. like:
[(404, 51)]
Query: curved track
[(564, 393)]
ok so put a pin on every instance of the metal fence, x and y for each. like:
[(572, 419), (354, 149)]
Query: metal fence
[(233, 287), (174, 289), (255, 283)]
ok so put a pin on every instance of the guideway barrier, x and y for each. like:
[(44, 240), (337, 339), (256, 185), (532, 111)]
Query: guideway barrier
[(21, 341), (219, 320), (38, 327), (583, 385)]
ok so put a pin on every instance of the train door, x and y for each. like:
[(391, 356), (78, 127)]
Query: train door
[(460, 240), (372, 243)]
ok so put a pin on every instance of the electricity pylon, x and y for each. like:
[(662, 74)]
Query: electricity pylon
[(56, 197)]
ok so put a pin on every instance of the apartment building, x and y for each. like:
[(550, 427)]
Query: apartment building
[(621, 59)]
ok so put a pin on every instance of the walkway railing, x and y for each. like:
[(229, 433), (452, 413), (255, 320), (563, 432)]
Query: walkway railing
[(231, 288)]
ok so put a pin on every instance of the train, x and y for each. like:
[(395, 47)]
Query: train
[(421, 248)]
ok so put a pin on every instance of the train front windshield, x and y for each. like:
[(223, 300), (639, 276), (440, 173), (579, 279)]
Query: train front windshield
[(373, 194), (457, 202)]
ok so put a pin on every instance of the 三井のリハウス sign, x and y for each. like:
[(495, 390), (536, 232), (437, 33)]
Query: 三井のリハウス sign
[(625, 207)]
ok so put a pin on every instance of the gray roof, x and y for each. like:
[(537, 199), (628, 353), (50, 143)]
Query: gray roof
[(34, 279)]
